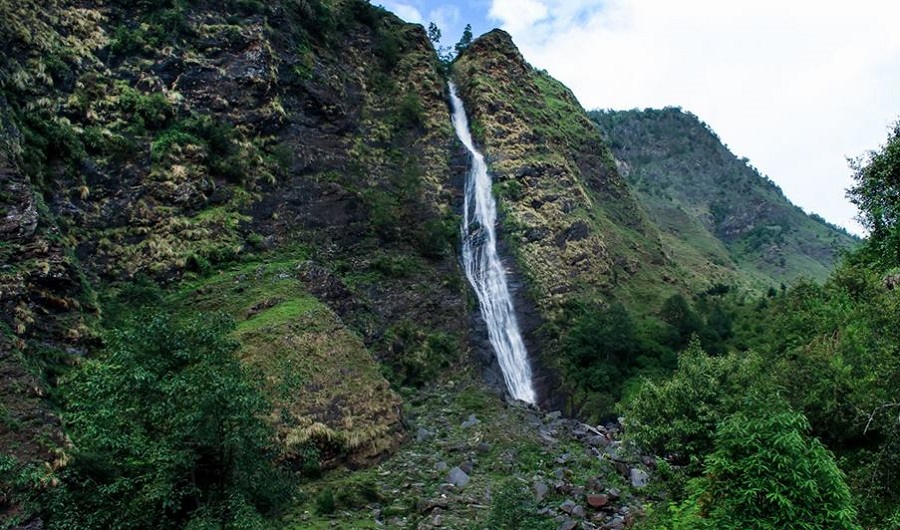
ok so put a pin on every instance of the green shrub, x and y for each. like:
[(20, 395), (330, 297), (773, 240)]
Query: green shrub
[(153, 110), (47, 139), (166, 426), (437, 238), (325, 503), (418, 356), (20, 484), (676, 417), (396, 266), (410, 113), (513, 508), (767, 473)]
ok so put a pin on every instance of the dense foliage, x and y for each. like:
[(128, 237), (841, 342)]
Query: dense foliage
[(877, 195), (167, 430), (766, 473), (677, 417), (831, 353), (604, 347)]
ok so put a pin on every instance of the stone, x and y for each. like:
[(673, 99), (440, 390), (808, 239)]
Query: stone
[(540, 490), (597, 500), (597, 441), (614, 494), (563, 458), (483, 448), (437, 520), (467, 466), (639, 478), (578, 511), (441, 466), (567, 506), (594, 485), (471, 422), (423, 434), (568, 525), (618, 523), (458, 477)]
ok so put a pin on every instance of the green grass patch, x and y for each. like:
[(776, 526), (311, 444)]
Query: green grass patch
[(279, 314)]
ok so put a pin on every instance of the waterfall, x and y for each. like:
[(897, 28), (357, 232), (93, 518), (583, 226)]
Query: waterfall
[(483, 267)]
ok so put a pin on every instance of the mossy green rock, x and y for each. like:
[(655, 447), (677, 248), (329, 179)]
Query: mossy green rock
[(568, 216), (287, 164)]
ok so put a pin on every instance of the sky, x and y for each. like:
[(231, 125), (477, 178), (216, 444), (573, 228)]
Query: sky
[(795, 86)]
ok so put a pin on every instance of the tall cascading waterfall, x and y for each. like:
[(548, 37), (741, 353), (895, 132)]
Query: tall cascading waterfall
[(484, 268)]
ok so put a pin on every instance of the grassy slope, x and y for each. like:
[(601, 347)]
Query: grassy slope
[(326, 386), (719, 216)]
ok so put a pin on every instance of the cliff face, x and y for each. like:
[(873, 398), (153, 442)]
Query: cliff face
[(718, 214), (569, 222), (572, 223), (286, 164)]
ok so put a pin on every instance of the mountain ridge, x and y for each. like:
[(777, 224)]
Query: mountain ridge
[(696, 188)]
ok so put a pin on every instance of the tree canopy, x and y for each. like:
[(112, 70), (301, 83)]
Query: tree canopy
[(877, 195), (167, 429)]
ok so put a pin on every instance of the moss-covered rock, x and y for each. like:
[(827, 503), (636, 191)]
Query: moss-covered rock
[(196, 143), (568, 216)]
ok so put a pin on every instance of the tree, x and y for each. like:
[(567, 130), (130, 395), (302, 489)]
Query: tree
[(678, 313), (601, 345), (167, 430), (677, 417), (877, 195), (767, 473), (465, 40), (434, 34)]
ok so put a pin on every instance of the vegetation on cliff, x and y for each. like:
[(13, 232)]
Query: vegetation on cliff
[(288, 170)]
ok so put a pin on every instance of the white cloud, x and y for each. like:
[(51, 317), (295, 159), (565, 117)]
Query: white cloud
[(796, 86), (518, 15), (405, 11), (447, 17)]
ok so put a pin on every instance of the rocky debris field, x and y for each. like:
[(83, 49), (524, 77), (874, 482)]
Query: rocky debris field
[(472, 460)]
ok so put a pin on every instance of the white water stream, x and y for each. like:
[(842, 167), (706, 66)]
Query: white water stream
[(484, 268)]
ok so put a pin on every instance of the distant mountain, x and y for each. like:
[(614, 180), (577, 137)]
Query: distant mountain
[(718, 214)]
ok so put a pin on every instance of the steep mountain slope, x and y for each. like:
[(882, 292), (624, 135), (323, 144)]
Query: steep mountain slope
[(718, 214), (574, 231), (292, 165), (296, 178), (568, 216)]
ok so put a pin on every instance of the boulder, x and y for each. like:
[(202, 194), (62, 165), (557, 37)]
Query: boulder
[(597, 501), (471, 422), (639, 478), (540, 490), (458, 477)]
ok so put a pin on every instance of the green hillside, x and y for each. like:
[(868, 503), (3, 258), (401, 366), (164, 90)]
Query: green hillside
[(718, 214)]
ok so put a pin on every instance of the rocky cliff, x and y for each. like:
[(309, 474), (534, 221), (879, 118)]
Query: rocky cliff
[(569, 217), (288, 164), (292, 164)]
